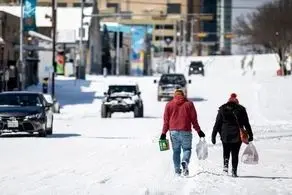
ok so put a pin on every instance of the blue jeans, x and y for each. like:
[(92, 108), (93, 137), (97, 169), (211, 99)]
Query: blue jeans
[(181, 140)]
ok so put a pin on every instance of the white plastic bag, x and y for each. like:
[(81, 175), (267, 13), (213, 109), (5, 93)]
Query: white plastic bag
[(202, 149), (250, 155)]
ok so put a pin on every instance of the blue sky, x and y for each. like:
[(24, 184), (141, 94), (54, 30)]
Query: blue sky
[(245, 3)]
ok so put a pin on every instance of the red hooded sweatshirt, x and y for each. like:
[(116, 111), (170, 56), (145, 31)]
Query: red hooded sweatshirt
[(180, 114)]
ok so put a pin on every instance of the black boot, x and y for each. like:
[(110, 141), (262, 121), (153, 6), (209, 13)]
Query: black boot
[(234, 173)]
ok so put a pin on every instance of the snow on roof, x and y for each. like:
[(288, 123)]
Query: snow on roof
[(123, 83)]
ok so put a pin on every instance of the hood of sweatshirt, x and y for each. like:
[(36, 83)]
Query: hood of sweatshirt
[(179, 99)]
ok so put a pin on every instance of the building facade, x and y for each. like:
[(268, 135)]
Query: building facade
[(210, 27), (9, 33), (175, 23), (224, 27)]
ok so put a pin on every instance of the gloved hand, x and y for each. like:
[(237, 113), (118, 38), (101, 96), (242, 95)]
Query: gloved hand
[(201, 133), (163, 136), (250, 139), (213, 140)]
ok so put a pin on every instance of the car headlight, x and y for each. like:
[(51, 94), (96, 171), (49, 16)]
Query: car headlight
[(35, 116)]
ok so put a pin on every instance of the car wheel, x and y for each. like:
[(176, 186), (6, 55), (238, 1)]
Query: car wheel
[(50, 130), (136, 111), (141, 111), (42, 133), (109, 114), (103, 111)]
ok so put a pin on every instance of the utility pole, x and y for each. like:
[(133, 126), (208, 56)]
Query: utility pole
[(54, 25), (184, 37), (81, 68), (118, 42), (21, 64), (192, 35), (175, 39)]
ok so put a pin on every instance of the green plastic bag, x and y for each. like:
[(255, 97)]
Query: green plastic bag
[(164, 145)]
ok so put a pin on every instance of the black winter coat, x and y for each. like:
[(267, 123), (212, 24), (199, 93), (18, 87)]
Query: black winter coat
[(226, 124)]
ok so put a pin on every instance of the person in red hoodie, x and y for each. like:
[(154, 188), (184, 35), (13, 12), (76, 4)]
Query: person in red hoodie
[(179, 117)]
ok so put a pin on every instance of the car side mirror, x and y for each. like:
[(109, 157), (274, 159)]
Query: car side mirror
[(155, 81), (190, 81), (105, 93), (139, 93), (48, 106)]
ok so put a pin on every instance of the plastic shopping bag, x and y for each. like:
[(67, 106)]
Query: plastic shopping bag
[(202, 149), (250, 155), (164, 145)]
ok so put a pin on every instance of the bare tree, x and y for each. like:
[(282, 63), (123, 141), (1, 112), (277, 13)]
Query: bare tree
[(269, 28)]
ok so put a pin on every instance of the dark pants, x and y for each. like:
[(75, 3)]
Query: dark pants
[(232, 148)]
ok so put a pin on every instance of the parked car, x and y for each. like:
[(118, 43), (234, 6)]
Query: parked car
[(53, 101), (122, 98), (196, 67), (168, 83), (24, 111)]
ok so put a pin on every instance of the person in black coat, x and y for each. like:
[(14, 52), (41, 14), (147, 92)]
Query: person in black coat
[(230, 117)]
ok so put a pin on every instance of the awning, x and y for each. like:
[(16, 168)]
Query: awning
[(39, 36)]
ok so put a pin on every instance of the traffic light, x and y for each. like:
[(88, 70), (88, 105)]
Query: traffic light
[(229, 35)]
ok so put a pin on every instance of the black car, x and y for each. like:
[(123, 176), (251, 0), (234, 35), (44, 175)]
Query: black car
[(168, 83), (122, 98), (196, 67), (24, 111)]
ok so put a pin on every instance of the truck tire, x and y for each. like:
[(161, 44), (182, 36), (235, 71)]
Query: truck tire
[(141, 112), (104, 113), (43, 133)]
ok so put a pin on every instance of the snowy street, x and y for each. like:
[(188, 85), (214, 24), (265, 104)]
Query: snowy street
[(120, 155)]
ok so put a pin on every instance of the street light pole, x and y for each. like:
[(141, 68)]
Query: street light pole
[(54, 26), (118, 42), (81, 68), (21, 64)]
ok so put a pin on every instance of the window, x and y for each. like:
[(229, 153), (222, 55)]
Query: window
[(122, 88), (166, 26), (20, 100), (173, 8), (79, 4), (62, 4), (113, 5), (87, 4), (76, 4), (44, 4)]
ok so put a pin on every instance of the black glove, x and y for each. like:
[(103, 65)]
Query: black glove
[(163, 136), (250, 139), (213, 140), (201, 133)]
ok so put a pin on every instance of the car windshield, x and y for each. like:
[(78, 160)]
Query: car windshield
[(122, 88), (20, 100), (197, 64), (173, 79)]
